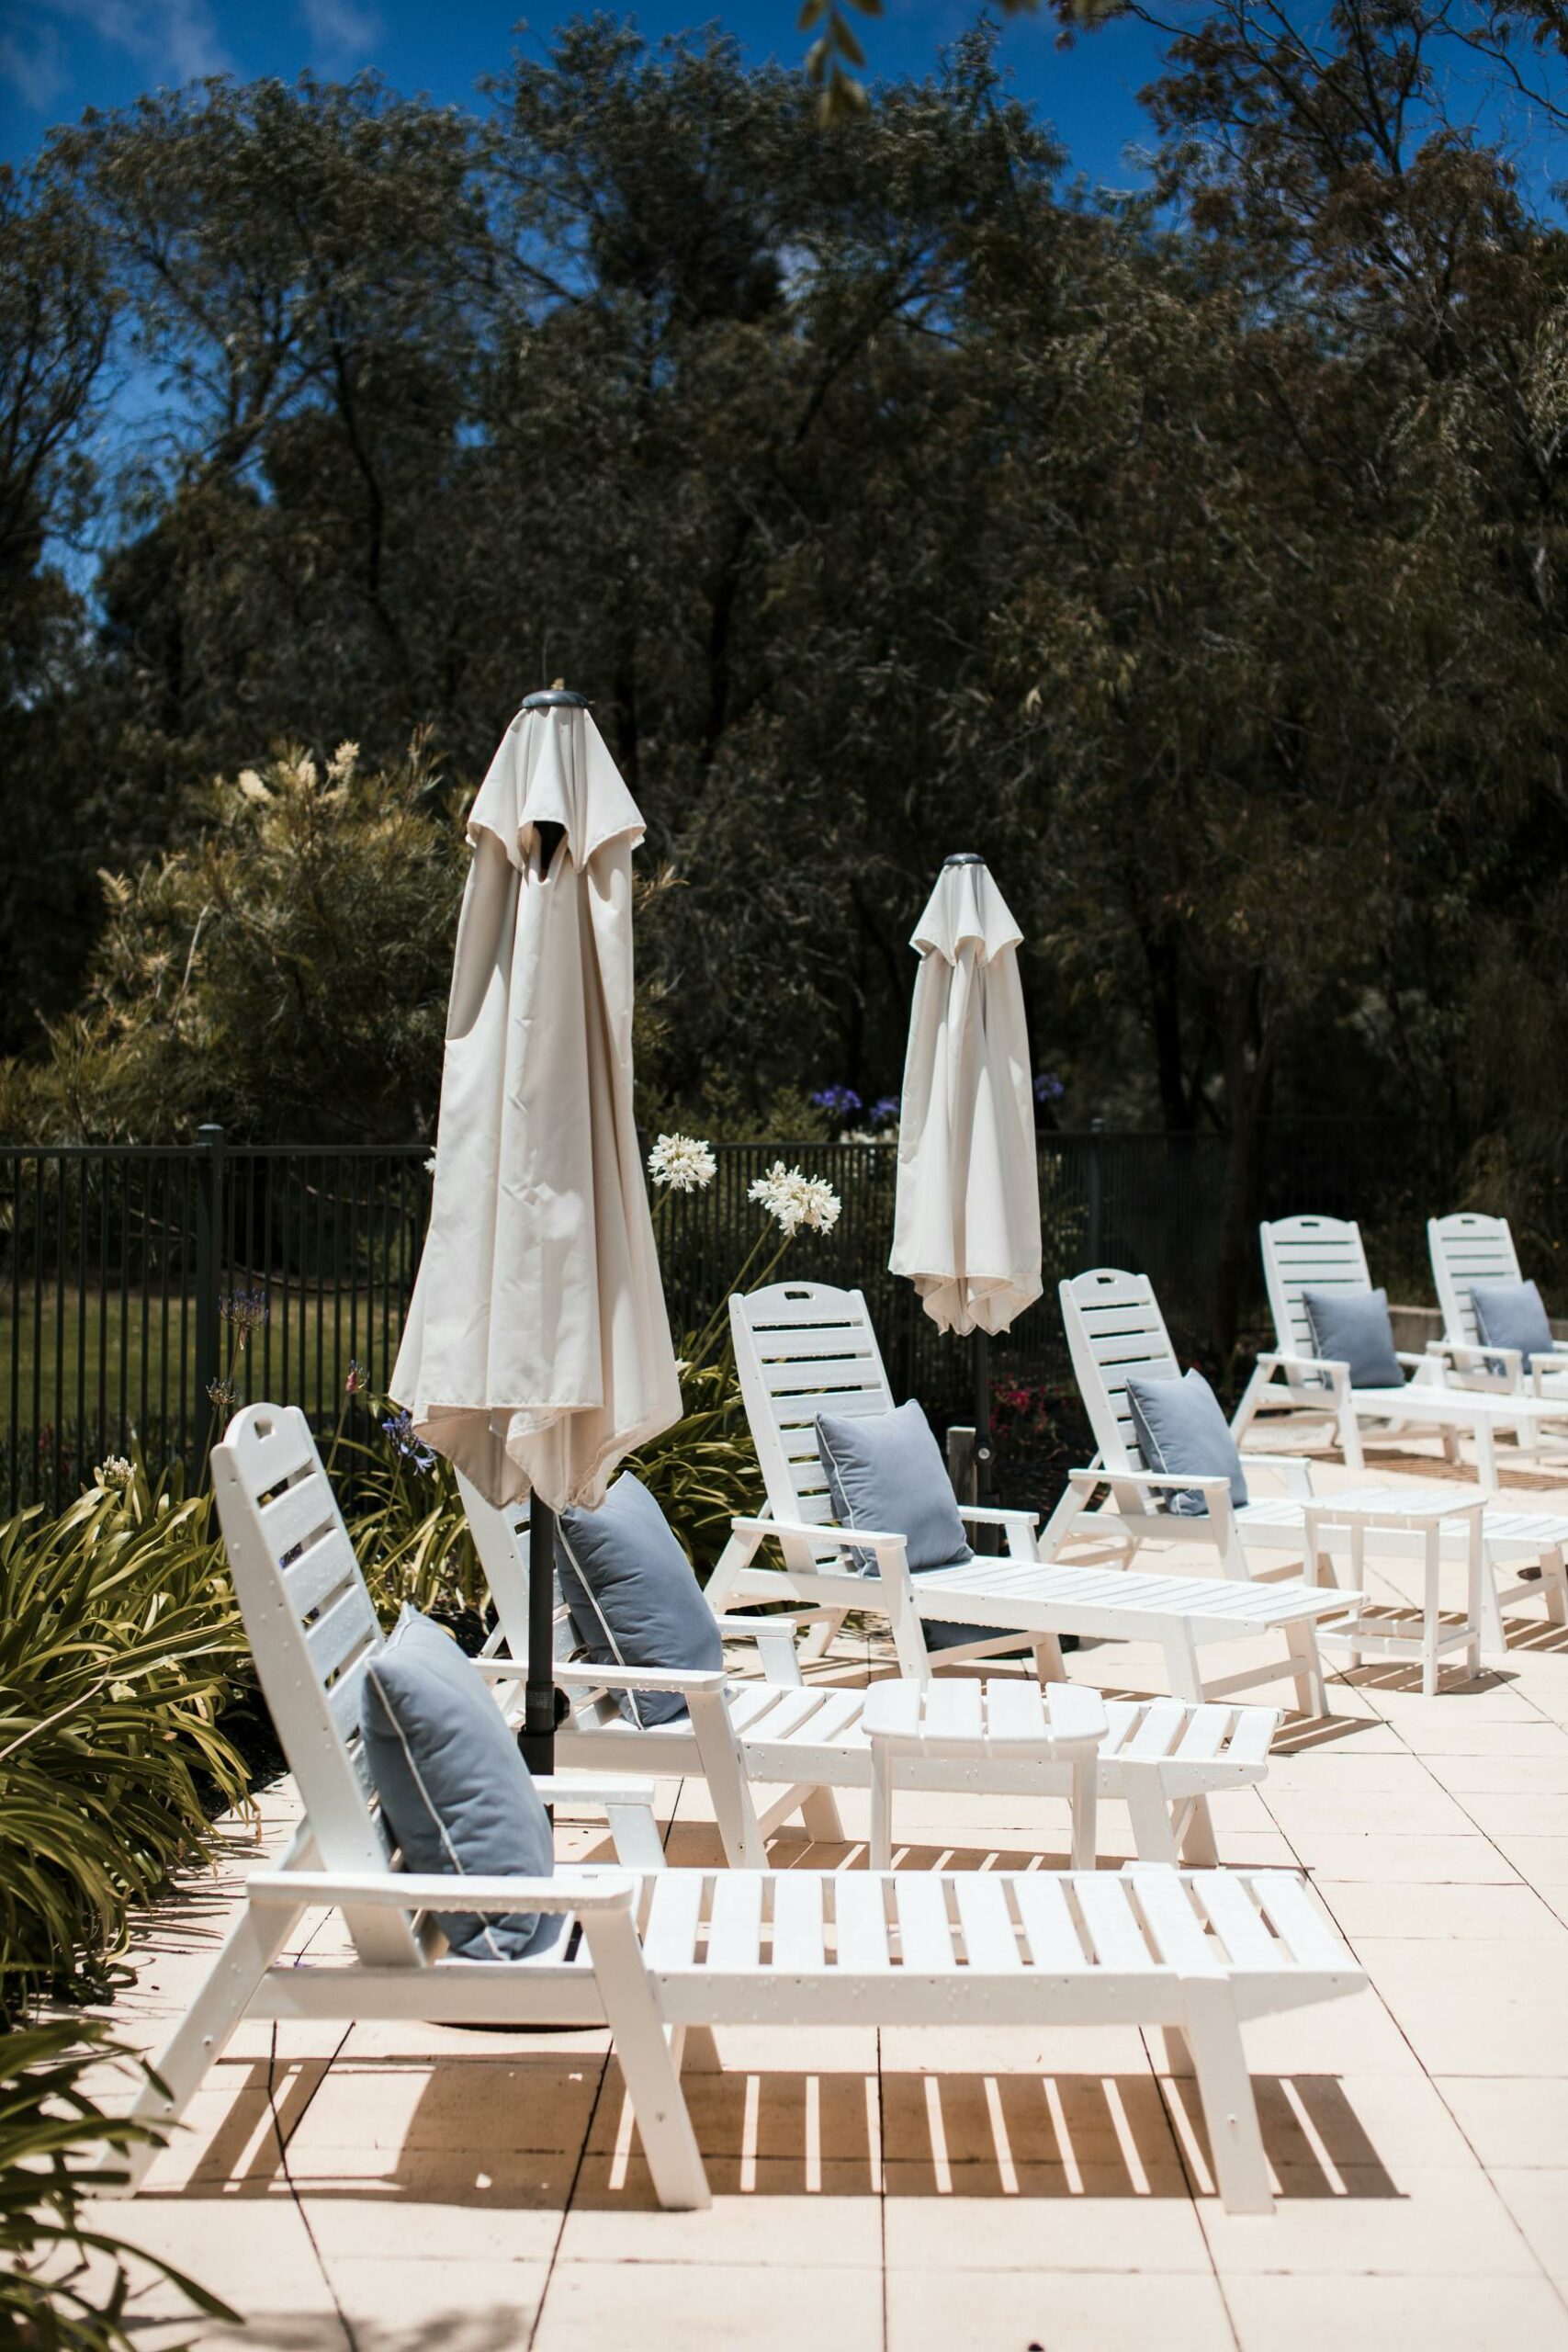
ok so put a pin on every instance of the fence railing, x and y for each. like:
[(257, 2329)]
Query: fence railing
[(121, 1266)]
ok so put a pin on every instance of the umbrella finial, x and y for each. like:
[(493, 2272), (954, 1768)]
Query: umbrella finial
[(555, 697), (963, 857)]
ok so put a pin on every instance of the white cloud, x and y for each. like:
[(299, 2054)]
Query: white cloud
[(30, 64), (343, 32), (178, 39)]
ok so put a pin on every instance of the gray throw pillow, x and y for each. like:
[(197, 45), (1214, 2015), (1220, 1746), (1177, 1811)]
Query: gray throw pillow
[(453, 1787), (1179, 1426), (884, 1471), (632, 1597), (1512, 1315), (1352, 1326)]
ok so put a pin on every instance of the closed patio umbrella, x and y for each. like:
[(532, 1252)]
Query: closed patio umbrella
[(966, 1225), (537, 1351)]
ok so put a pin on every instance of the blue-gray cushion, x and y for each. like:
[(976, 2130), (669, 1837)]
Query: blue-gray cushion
[(1352, 1326), (885, 1470), (1512, 1315), (632, 1597), (453, 1787), (1179, 1426)]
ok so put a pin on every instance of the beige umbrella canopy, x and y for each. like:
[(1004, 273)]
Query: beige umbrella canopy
[(967, 1228), (537, 1348)]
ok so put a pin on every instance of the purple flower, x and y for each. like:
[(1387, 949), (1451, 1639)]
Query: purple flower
[(401, 1429), (1048, 1087), (359, 1378), (884, 1109), (838, 1101), (246, 1309), (222, 1393)]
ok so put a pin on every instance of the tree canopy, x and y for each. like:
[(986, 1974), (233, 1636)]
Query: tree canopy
[(1201, 559)]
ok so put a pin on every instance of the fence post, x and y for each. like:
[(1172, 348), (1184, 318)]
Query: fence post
[(209, 1271), (1095, 1190)]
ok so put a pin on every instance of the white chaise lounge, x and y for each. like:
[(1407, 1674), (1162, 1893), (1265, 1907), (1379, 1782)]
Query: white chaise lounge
[(1163, 1758), (1303, 1253), (1194, 1953), (1466, 1249), (1114, 1327), (803, 1348)]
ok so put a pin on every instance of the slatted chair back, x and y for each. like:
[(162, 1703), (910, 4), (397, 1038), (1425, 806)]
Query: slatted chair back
[(1114, 1327), (1303, 1253), (803, 1348), (1468, 1248), (313, 1633)]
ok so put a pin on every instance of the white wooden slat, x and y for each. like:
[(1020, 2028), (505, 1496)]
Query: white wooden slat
[(735, 1922), (1111, 1922), (797, 1921), (951, 1711), (670, 1937), (784, 1304), (860, 1921), (287, 1449), (343, 1701), (829, 1372), (1054, 1940), (327, 1567), (795, 1705), (1205, 1734), (1162, 1726), (837, 1712), (301, 1511), (1252, 1735), (925, 1940), (1178, 1932), (1306, 1935), (347, 1627), (1236, 1919), (802, 1411), (990, 1939), (817, 1339), (752, 1703), (1122, 1717), (1014, 1708)]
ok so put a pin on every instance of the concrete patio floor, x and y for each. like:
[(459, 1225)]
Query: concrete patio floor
[(393, 2187)]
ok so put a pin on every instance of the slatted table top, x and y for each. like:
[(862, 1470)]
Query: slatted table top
[(1386, 1507), (956, 1714)]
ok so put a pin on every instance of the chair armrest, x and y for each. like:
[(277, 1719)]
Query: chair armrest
[(775, 1637), (993, 1515), (1464, 1358), (841, 1539), (1315, 1367), (1553, 1366), (1294, 1468), (593, 1788), (567, 1889), (1168, 1481), (640, 1677)]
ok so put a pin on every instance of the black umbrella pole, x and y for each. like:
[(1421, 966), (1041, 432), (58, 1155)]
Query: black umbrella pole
[(982, 1417), (538, 1739)]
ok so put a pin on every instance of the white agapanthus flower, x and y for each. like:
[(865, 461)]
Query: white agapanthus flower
[(794, 1199), (115, 1472), (430, 1165), (684, 1163)]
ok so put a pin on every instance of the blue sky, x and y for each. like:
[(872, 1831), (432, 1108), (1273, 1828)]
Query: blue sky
[(57, 56)]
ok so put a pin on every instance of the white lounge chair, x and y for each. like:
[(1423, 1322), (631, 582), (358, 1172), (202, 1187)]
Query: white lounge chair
[(1303, 1253), (801, 1348), (1114, 1327), (1467, 1248), (1163, 1758), (1194, 1953)]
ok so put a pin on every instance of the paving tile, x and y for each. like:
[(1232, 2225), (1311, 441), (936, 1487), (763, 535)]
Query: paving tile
[(464, 2306), (764, 2211), (710, 2307), (1537, 2197), (1515, 1812), (541, 2101), (1511, 2122), (1438, 2315), (1543, 1772), (1485, 1914), (1387, 1859), (1041, 2217), (1424, 2223), (1505, 2017), (1069, 2312)]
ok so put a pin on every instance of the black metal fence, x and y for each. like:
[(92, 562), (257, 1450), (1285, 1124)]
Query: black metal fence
[(122, 1267)]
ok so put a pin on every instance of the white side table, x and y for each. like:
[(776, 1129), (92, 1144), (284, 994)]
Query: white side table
[(1409, 1633), (1018, 1722)]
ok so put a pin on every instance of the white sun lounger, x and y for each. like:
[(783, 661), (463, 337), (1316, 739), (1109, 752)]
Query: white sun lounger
[(1114, 1327), (1304, 1253), (805, 1348), (1163, 1758), (1466, 1249), (1194, 1953)]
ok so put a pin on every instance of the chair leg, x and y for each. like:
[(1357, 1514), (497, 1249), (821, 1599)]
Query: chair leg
[(724, 1768), (1493, 1631), (1351, 1438), (1085, 1848), (652, 2075), (1152, 1833), (248, 1951), (1048, 1663), (1312, 1697), (1251, 1397), (1199, 1850), (1555, 1585), (819, 1812), (1181, 1665), (823, 1634), (1230, 2107)]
